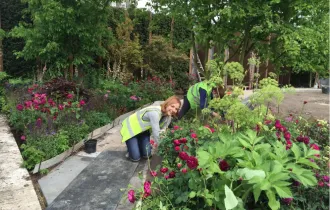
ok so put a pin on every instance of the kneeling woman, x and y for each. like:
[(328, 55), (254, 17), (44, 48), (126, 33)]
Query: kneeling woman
[(136, 128)]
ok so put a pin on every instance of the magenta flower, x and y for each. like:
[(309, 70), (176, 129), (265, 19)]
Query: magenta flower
[(69, 96), (278, 124), (131, 196), (147, 188), (60, 107), (192, 162), (176, 127), (134, 98), (171, 174), (176, 142), (153, 173), (320, 183), (82, 103), (177, 148), (184, 170), (19, 107), (183, 156), (23, 138), (193, 135), (183, 140), (224, 166), (326, 178), (287, 135), (163, 170), (28, 104), (287, 201)]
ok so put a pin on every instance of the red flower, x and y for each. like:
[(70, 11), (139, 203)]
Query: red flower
[(184, 170), (315, 147), (305, 102), (320, 183), (28, 104), (288, 144), (176, 127), (193, 135), (171, 174), (23, 138), (176, 142), (69, 96), (183, 140), (267, 122), (152, 142), (300, 138), (153, 173), (19, 107), (326, 178), (147, 188), (163, 170), (82, 103), (287, 135), (60, 107), (192, 162), (224, 166), (131, 196), (179, 165), (287, 201), (278, 124), (167, 177), (306, 140), (177, 148), (183, 156)]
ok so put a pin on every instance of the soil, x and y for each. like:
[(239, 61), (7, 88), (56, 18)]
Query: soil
[(317, 106)]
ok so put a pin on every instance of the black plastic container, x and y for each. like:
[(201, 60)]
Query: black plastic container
[(90, 146)]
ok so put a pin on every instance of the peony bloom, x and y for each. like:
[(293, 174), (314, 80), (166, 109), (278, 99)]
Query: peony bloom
[(192, 162), (183, 156), (267, 122), (61, 107), (306, 140), (176, 127), (171, 174), (278, 124), (147, 188), (177, 148), (163, 170), (153, 173), (82, 103), (184, 170), (69, 96), (320, 183), (300, 138), (287, 136), (193, 135), (185, 147), (315, 147), (288, 144), (131, 196), (134, 98), (28, 104), (183, 140), (224, 166), (167, 177), (176, 142), (152, 142), (23, 138), (179, 165), (287, 201), (326, 178), (19, 107), (296, 183)]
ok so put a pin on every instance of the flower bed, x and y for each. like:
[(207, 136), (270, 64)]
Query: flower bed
[(250, 161)]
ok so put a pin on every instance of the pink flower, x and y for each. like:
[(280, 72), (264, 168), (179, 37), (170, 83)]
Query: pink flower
[(69, 96), (23, 138), (267, 122), (192, 162), (289, 119), (326, 178), (134, 98), (288, 144), (131, 196), (60, 107), (167, 177), (183, 156), (287, 201), (82, 103), (28, 104), (176, 142), (152, 142), (147, 189), (287, 135), (153, 173), (224, 166), (19, 107), (176, 127), (278, 124), (163, 170), (320, 183), (183, 140), (179, 165), (193, 135), (106, 95), (315, 147), (171, 174), (177, 148), (184, 170)]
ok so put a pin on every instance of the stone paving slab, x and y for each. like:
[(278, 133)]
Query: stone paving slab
[(16, 188), (59, 178), (98, 186)]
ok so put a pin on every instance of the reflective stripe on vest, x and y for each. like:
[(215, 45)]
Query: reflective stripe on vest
[(134, 124), (193, 95)]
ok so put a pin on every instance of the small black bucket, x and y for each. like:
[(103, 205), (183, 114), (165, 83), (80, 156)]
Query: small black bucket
[(90, 146)]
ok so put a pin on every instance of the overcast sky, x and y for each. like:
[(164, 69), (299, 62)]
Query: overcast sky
[(142, 3)]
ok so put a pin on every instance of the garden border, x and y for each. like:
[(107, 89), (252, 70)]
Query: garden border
[(97, 133)]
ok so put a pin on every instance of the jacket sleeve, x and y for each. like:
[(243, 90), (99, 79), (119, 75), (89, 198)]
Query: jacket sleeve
[(153, 118), (202, 98)]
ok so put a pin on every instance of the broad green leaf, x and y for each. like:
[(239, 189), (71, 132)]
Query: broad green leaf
[(312, 152), (273, 177), (257, 158), (203, 157), (256, 192), (215, 168), (307, 178), (282, 183), (192, 194), (248, 174), (265, 185), (296, 151), (283, 192), (230, 199), (308, 163), (245, 144), (272, 203)]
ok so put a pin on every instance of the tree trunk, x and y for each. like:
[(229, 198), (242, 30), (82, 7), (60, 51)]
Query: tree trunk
[(310, 79), (244, 47), (267, 61), (257, 79), (71, 66), (194, 52), (225, 77), (1, 49), (251, 72), (172, 31), (316, 83), (150, 28)]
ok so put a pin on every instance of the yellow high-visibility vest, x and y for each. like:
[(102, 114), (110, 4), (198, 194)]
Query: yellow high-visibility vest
[(193, 95), (134, 124)]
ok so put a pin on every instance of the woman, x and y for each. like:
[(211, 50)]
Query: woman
[(135, 128), (198, 96)]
